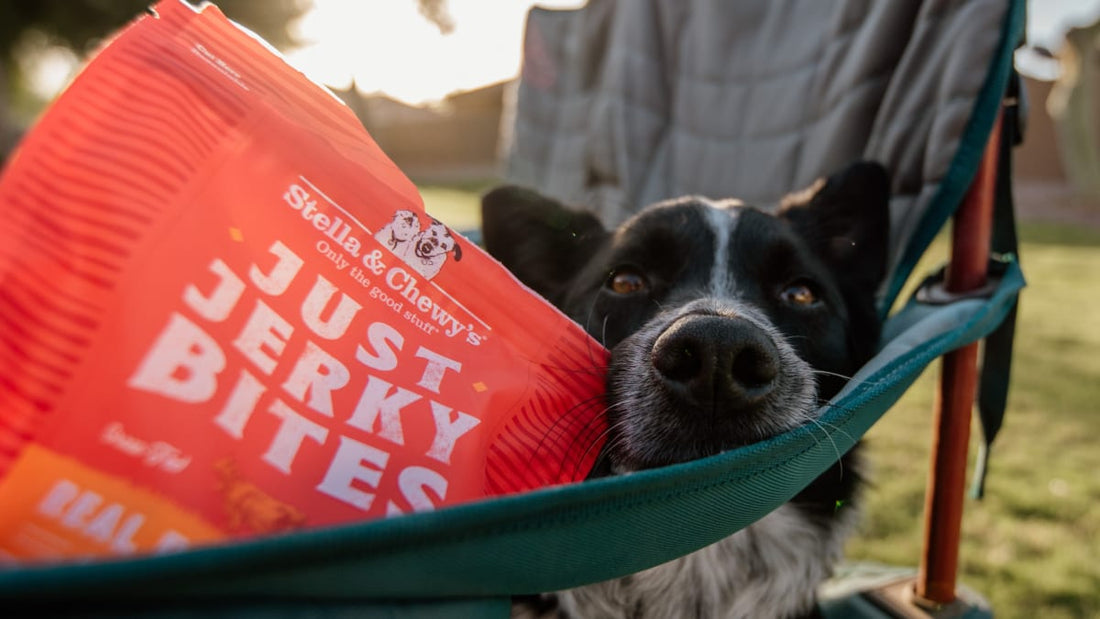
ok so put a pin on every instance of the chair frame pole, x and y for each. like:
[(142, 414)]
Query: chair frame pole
[(966, 271)]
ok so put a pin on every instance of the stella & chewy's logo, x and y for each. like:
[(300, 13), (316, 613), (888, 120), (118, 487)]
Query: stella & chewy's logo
[(425, 250), (405, 288)]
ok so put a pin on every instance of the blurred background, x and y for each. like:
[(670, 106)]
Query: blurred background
[(431, 81)]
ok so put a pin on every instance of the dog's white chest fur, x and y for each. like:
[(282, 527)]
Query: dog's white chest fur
[(768, 569)]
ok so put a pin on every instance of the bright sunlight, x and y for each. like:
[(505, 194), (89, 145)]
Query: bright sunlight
[(389, 47)]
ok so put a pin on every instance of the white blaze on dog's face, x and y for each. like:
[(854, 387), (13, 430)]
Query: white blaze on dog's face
[(726, 325)]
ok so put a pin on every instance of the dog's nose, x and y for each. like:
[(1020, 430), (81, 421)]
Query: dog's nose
[(717, 361)]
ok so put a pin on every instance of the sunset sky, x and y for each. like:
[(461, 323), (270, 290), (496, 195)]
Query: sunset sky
[(389, 47)]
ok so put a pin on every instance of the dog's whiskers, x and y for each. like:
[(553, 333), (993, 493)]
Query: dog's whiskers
[(552, 432), (827, 373), (612, 434), (829, 435)]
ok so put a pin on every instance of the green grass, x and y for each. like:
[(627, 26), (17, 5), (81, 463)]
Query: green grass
[(458, 206), (1032, 546)]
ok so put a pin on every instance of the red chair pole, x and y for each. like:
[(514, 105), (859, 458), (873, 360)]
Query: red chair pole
[(966, 271)]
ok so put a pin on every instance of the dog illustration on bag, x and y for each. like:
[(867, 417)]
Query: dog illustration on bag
[(425, 250), (400, 232), (430, 249)]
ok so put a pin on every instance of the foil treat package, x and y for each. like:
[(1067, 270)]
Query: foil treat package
[(224, 313)]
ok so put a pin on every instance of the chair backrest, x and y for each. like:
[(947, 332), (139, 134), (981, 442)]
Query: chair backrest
[(625, 103)]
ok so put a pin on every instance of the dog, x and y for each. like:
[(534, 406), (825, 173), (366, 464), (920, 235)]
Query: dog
[(726, 326), (399, 234), (428, 250)]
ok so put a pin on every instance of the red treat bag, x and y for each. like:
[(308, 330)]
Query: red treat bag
[(224, 312)]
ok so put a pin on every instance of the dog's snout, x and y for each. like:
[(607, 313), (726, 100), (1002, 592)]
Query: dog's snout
[(717, 361)]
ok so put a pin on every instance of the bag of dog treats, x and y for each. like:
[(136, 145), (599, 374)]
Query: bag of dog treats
[(224, 312)]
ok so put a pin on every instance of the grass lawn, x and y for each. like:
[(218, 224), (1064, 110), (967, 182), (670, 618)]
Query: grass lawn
[(1032, 546), (458, 206)]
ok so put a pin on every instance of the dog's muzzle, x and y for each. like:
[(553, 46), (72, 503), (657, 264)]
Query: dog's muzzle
[(706, 359), (714, 377)]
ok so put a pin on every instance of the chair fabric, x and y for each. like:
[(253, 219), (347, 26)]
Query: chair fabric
[(626, 103)]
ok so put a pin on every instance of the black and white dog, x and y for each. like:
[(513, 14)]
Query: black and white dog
[(726, 326)]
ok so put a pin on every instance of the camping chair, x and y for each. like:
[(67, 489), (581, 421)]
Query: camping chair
[(916, 85)]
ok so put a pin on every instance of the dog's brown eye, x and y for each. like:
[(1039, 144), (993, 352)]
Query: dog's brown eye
[(800, 294), (626, 281)]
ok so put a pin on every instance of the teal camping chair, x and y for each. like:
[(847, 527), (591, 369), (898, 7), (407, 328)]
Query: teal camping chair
[(621, 104)]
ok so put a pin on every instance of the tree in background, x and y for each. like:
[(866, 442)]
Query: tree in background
[(30, 26)]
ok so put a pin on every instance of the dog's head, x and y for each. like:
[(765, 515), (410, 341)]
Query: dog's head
[(726, 325), (405, 225), (437, 240)]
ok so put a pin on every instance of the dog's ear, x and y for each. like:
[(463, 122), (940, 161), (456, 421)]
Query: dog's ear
[(540, 240), (846, 220)]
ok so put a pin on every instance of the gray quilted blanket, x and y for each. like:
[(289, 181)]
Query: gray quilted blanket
[(623, 103)]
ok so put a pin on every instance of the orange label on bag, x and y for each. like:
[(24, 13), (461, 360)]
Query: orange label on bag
[(56, 507), (226, 313)]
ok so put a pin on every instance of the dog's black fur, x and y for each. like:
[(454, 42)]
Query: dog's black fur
[(726, 326)]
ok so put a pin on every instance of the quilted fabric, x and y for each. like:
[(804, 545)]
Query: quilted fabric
[(623, 103)]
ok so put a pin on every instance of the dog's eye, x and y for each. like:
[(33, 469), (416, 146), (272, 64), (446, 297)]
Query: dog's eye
[(800, 294), (626, 280)]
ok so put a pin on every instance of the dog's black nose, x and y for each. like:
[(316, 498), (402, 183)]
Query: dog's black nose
[(717, 361)]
